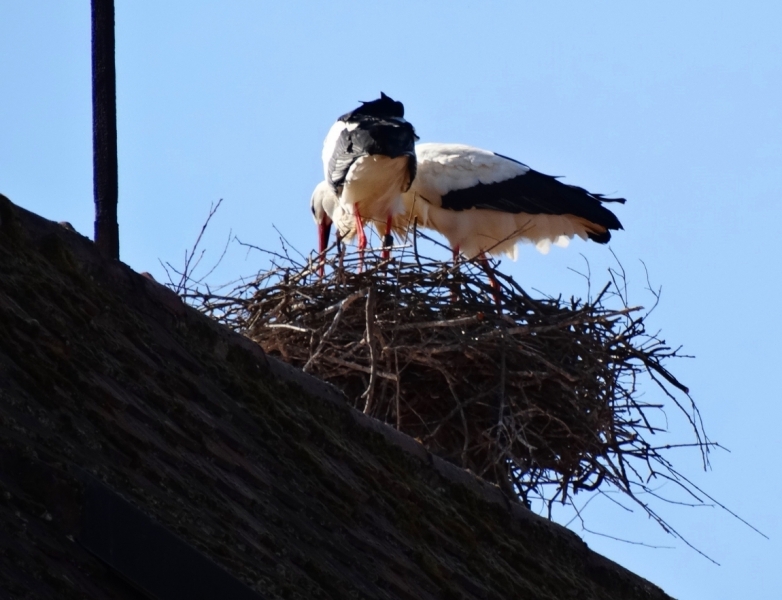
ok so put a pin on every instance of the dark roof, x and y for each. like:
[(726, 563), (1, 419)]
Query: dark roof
[(109, 385)]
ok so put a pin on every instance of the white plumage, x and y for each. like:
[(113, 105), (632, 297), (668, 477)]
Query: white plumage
[(484, 202)]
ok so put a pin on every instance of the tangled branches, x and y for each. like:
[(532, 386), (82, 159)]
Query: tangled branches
[(539, 397)]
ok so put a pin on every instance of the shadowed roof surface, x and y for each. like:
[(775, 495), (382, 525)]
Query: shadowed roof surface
[(261, 468)]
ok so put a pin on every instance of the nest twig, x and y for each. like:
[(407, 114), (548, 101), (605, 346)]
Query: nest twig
[(539, 397)]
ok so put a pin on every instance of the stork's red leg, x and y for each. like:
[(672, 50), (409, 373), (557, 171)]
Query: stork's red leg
[(495, 285), (362, 239)]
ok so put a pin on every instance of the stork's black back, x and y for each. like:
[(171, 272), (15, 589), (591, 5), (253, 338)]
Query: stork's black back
[(374, 128)]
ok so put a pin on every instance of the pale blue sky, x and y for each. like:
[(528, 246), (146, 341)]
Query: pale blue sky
[(675, 106)]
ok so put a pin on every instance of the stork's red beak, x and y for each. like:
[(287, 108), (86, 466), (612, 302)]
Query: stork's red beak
[(324, 229)]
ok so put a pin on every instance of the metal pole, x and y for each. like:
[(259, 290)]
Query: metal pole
[(104, 128)]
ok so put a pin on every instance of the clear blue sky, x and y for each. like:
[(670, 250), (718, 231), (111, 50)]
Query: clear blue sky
[(675, 106)]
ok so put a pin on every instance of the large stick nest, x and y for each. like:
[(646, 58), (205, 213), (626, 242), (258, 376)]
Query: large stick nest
[(538, 396)]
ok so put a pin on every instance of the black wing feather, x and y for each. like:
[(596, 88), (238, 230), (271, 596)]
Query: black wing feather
[(535, 193)]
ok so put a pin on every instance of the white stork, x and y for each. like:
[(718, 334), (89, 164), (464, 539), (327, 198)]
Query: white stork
[(369, 161), (484, 202), (323, 204), (325, 208), (327, 211)]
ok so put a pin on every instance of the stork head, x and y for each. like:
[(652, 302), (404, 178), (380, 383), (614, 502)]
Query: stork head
[(323, 204)]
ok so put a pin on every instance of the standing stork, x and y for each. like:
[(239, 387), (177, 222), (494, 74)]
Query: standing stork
[(325, 208), (327, 211), (369, 161), (484, 202)]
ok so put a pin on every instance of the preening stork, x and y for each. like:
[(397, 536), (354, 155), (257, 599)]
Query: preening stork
[(325, 208), (327, 211), (369, 161), (323, 205), (484, 202)]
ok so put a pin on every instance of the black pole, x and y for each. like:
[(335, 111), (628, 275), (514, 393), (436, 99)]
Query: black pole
[(104, 128)]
